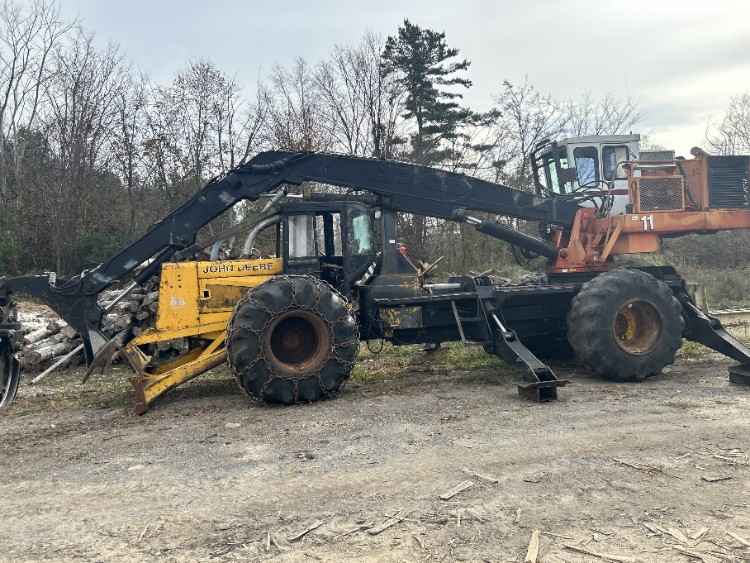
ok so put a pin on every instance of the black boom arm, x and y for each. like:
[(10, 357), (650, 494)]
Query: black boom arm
[(403, 187)]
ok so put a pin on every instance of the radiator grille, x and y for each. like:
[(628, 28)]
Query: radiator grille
[(660, 193), (728, 181)]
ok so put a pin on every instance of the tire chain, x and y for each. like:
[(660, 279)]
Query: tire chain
[(335, 352)]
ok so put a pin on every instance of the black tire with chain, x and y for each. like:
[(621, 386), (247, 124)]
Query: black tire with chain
[(292, 339), (10, 375), (625, 325)]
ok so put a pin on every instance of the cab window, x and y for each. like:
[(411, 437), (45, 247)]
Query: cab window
[(587, 166), (551, 174), (361, 234), (301, 236), (554, 182), (612, 159)]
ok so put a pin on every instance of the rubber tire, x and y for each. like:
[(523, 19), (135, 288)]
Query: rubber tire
[(248, 334), (10, 375), (591, 325)]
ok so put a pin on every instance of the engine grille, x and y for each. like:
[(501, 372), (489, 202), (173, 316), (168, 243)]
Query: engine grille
[(660, 193), (728, 181)]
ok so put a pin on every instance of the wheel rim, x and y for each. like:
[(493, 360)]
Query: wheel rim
[(637, 327), (299, 342)]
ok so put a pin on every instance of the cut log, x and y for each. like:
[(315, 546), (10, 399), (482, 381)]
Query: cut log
[(27, 327), (69, 332), (36, 357), (37, 335), (49, 341), (60, 362), (56, 325)]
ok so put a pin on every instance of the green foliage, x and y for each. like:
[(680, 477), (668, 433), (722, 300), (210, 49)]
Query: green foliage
[(94, 247), (460, 357), (427, 69)]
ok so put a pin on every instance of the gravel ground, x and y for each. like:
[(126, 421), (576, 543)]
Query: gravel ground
[(656, 471)]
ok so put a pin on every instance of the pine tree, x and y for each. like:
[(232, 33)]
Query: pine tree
[(424, 66)]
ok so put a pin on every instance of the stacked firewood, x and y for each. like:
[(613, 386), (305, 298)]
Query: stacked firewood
[(46, 337)]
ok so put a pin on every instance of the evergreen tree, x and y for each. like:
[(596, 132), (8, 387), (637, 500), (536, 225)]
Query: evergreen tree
[(425, 67)]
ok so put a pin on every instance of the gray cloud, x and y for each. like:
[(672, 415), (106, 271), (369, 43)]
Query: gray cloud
[(682, 60)]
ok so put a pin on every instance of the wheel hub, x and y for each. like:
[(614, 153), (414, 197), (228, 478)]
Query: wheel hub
[(299, 342), (637, 327)]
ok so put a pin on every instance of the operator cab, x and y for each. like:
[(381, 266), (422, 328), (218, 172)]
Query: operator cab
[(590, 168), (331, 240)]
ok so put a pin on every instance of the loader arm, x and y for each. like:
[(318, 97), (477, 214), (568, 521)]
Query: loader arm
[(403, 187)]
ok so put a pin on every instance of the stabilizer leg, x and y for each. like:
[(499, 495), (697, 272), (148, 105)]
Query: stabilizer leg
[(540, 382), (707, 330)]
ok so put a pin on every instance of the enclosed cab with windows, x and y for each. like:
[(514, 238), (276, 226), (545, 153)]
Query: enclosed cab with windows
[(591, 165)]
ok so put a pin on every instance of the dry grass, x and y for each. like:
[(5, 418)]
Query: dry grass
[(394, 361)]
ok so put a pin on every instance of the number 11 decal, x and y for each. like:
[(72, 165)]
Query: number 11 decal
[(648, 222)]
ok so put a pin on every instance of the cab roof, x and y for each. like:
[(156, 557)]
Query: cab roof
[(601, 139)]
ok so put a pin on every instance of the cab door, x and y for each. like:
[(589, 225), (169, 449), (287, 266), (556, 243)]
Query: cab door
[(359, 243)]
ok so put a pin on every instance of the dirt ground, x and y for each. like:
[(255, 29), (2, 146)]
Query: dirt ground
[(650, 472)]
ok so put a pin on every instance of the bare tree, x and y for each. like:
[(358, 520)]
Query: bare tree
[(127, 141), (254, 122), (345, 116), (607, 116), (384, 98), (527, 117), (194, 129), (78, 124), (296, 112), (732, 135), (28, 35), (362, 103)]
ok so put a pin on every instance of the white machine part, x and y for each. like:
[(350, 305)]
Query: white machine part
[(598, 161)]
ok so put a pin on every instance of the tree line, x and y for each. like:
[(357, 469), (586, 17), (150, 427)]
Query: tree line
[(92, 151)]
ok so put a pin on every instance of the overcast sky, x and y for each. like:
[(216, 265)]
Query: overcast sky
[(682, 60)]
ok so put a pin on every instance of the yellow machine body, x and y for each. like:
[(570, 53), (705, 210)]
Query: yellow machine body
[(196, 300)]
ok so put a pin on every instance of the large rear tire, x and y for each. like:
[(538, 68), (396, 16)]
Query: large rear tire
[(292, 339), (625, 325), (10, 375)]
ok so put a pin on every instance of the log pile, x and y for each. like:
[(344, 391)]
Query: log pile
[(47, 337)]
